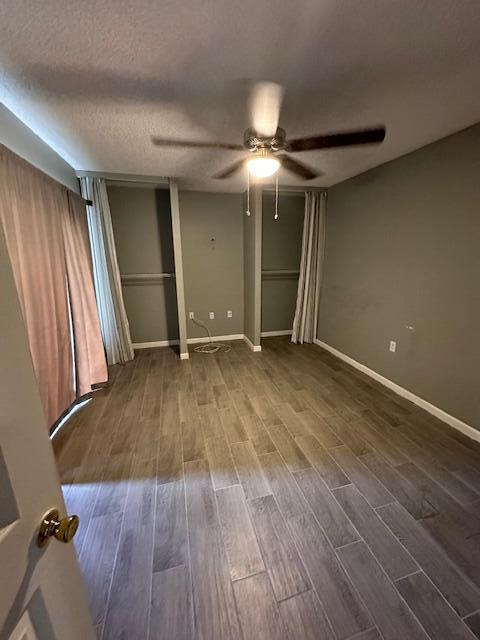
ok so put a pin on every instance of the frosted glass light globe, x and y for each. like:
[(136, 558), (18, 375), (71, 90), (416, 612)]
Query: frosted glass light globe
[(262, 167)]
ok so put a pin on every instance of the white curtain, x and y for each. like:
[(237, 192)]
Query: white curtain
[(108, 288), (311, 266)]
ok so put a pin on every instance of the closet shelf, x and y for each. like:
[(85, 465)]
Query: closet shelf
[(280, 274), (145, 278)]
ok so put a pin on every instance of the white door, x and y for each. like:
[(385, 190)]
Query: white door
[(41, 591)]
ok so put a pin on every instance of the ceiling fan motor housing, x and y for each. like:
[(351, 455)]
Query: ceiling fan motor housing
[(254, 142)]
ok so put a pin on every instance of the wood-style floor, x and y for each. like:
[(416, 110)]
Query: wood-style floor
[(270, 495)]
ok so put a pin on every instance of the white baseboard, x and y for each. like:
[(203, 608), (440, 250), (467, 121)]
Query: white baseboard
[(156, 343), (442, 415), (233, 336), (285, 332), (253, 347), (170, 343)]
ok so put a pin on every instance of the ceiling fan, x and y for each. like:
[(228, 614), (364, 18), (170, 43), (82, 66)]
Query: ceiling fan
[(268, 143)]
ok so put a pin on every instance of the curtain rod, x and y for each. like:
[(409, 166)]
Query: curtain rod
[(123, 177)]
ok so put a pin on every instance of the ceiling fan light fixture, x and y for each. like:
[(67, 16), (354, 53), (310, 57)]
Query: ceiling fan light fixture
[(263, 166)]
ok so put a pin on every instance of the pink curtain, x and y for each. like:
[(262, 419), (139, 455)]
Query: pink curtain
[(90, 363), (38, 227)]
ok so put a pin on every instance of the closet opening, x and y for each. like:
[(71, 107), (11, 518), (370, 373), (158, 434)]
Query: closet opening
[(142, 226), (281, 254)]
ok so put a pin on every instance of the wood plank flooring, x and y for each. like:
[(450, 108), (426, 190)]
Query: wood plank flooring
[(273, 495)]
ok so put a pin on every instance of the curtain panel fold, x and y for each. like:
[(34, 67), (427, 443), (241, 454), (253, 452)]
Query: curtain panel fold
[(42, 228), (108, 288), (90, 363), (311, 268)]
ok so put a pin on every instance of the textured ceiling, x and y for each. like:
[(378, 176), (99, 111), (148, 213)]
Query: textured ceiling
[(96, 79)]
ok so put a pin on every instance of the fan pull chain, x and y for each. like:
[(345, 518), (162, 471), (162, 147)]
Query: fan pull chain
[(276, 197), (248, 193)]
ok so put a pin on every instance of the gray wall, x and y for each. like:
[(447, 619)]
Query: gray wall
[(252, 272), (20, 139), (403, 248), (143, 238), (281, 250), (212, 247)]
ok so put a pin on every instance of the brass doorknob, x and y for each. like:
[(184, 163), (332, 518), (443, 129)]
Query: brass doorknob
[(63, 529)]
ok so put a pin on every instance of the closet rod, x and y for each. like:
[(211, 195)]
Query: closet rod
[(145, 278), (277, 272), (280, 274)]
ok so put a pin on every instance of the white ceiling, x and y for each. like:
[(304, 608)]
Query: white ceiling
[(96, 79)]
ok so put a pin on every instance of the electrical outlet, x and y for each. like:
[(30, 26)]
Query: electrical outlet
[(229, 313), (393, 346), (211, 315), (191, 315)]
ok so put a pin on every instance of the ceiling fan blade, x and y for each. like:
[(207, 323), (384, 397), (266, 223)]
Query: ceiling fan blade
[(298, 168), (229, 171), (199, 144), (339, 139), (265, 102)]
